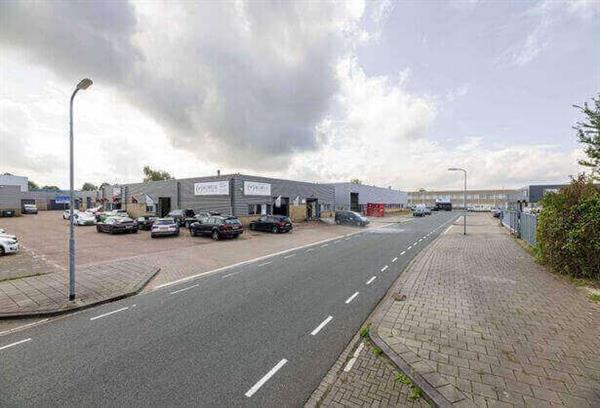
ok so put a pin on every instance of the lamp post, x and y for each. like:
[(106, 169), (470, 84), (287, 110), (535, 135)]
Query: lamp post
[(83, 84), (464, 198)]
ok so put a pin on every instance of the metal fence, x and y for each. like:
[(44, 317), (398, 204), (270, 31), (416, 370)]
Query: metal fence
[(521, 224)]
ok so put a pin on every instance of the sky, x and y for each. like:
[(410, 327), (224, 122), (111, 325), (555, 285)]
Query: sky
[(391, 93)]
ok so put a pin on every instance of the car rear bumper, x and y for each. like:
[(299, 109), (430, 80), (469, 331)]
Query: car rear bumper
[(163, 233), (124, 228)]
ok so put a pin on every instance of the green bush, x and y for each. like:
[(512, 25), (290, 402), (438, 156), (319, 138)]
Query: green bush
[(568, 230)]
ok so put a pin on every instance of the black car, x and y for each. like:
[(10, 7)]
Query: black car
[(199, 217), (273, 223), (217, 227), (350, 217), (164, 227), (181, 215), (145, 222), (113, 225)]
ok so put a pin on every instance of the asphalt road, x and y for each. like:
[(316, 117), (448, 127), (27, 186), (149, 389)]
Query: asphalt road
[(261, 334)]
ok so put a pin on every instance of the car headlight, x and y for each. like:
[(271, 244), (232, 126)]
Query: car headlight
[(12, 242)]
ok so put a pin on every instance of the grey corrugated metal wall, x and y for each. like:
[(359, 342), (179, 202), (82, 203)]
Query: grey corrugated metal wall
[(367, 194), (10, 197), (324, 193), (181, 192)]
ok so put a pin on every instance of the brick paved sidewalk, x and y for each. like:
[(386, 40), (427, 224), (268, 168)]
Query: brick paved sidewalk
[(483, 325), (360, 378), (48, 293)]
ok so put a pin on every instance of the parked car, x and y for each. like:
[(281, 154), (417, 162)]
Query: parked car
[(3, 234), (427, 210), (201, 217), (180, 216), (163, 227), (102, 216), (496, 212), (29, 209), (85, 218), (8, 245), (419, 211), (117, 224), (67, 213), (350, 217), (218, 226), (145, 222), (272, 223)]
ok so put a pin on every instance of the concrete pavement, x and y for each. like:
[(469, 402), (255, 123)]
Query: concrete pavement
[(255, 335)]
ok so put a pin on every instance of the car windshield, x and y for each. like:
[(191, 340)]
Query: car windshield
[(232, 221), (164, 221), (176, 212)]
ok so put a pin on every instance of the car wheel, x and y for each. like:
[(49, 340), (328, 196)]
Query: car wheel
[(98, 229), (1, 251), (192, 233), (152, 236), (215, 235), (338, 222), (111, 231), (134, 231), (252, 227), (274, 230), (236, 236)]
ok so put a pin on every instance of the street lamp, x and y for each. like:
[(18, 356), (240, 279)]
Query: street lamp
[(464, 198), (83, 84)]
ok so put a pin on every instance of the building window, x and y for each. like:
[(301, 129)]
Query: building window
[(253, 209)]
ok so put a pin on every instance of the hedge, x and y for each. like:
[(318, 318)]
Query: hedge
[(568, 230)]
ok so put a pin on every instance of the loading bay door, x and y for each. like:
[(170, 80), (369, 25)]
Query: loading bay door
[(354, 206)]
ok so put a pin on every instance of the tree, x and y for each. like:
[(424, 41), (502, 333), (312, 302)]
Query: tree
[(588, 133), (155, 175), (88, 187), (32, 185), (356, 181), (51, 188)]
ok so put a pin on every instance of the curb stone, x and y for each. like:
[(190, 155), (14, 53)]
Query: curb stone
[(73, 306)]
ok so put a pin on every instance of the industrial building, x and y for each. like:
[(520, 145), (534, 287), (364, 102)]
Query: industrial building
[(235, 194), (352, 196), (475, 198), (14, 193)]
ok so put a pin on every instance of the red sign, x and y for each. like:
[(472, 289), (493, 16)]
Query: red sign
[(375, 210)]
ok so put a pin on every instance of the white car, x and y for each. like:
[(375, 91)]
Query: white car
[(67, 213), (8, 245), (85, 218)]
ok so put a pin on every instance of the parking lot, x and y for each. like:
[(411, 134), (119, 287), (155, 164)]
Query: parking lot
[(46, 235)]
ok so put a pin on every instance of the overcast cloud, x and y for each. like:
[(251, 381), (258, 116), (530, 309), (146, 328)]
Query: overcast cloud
[(278, 88)]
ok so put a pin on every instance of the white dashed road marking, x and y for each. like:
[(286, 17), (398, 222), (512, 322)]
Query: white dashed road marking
[(351, 298), (395, 259), (289, 256), (402, 253), (109, 313), (189, 287), (371, 280), (310, 250), (265, 263), (319, 327), (324, 245), (384, 268), (263, 380), (14, 344)]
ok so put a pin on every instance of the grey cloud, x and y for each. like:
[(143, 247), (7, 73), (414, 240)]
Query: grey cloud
[(248, 82)]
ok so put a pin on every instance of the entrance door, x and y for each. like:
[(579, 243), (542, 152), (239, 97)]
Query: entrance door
[(312, 208), (354, 206), (284, 207), (164, 206)]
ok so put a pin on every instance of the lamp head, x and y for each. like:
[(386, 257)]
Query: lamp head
[(85, 83)]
